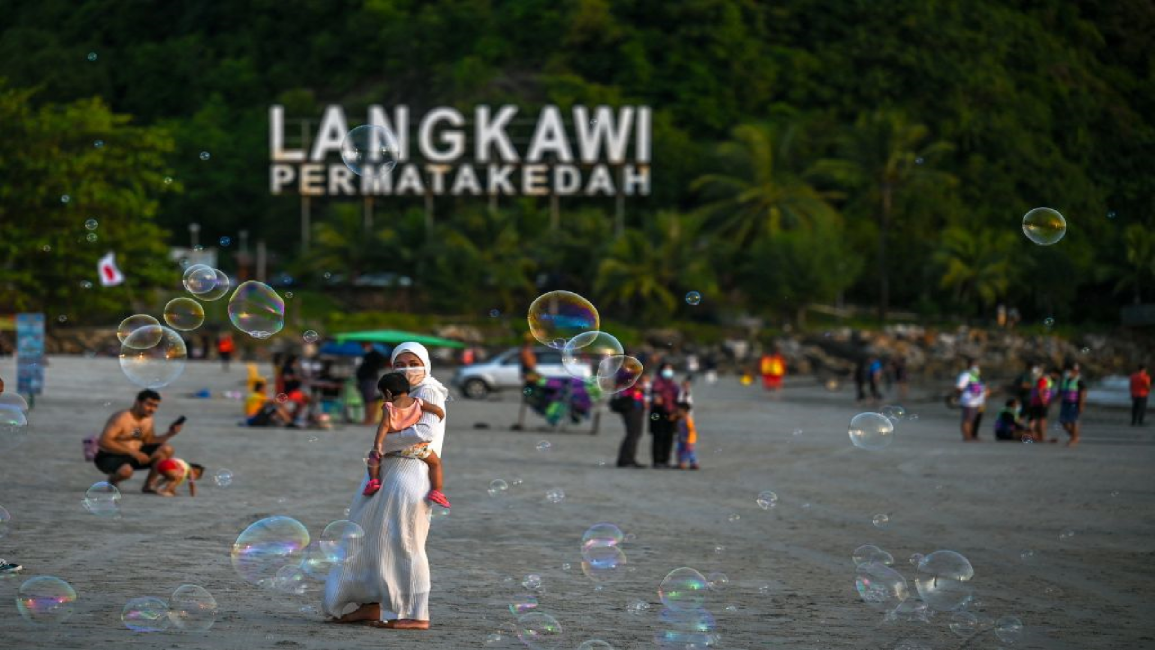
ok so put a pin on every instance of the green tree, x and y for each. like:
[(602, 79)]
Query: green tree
[(978, 265), (1138, 271), (64, 165), (881, 157), (341, 244)]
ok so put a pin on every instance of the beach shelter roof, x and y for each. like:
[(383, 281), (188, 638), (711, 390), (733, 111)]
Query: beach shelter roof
[(393, 337)]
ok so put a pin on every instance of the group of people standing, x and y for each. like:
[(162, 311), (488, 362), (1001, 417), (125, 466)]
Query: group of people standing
[(1024, 415), (668, 404)]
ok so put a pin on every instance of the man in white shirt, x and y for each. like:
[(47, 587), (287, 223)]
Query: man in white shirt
[(972, 395)]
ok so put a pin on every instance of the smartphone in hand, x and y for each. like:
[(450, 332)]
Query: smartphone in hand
[(179, 421)]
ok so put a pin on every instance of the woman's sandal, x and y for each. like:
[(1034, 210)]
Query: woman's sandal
[(438, 497), (372, 487)]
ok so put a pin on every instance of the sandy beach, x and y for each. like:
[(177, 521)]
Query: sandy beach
[(791, 578)]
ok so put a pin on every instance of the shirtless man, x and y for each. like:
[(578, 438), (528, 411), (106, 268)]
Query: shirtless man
[(129, 442)]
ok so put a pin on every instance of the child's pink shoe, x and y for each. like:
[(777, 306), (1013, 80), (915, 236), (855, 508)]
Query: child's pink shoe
[(436, 496), (372, 487)]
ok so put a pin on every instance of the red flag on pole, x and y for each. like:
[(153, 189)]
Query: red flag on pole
[(110, 276)]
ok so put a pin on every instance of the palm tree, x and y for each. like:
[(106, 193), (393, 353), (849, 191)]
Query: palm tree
[(977, 263), (761, 192), (341, 244), (656, 265), (1139, 270), (883, 156), (480, 259)]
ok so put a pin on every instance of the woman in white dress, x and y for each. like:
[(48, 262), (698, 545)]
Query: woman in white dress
[(387, 583)]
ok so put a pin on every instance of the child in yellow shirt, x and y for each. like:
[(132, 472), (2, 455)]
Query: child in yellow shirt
[(687, 437)]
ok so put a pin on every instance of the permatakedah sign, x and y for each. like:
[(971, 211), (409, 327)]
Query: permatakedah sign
[(580, 152)]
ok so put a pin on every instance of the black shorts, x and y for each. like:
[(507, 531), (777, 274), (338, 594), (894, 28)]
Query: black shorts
[(109, 463), (1037, 412)]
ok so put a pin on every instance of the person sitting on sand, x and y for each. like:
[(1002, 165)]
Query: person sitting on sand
[(173, 472), (1009, 424), (260, 411), (129, 442), (400, 411)]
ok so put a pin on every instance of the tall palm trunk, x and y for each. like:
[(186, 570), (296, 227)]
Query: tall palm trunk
[(883, 231)]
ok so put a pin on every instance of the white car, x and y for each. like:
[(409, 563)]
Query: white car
[(504, 372)]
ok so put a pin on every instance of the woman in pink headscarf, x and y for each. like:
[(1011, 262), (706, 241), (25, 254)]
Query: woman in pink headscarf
[(387, 583)]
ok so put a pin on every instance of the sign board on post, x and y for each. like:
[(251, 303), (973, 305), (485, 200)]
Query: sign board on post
[(30, 354)]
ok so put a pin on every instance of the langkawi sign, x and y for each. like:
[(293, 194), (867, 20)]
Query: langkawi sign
[(581, 152)]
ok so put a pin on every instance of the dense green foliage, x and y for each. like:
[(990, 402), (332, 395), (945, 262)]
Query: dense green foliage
[(882, 152)]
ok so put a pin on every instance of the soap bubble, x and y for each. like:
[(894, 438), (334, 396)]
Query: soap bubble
[(880, 586), (1048, 322), (1009, 629), (603, 534), (943, 580), (157, 365), (566, 566), (316, 562), (734, 517), (522, 603), (13, 401), (881, 521), (92, 56), (766, 500), (290, 579), (915, 558), (184, 314), (964, 624), (5, 522), (638, 607), (102, 500), (223, 478), (257, 310), (558, 316), (589, 351), (717, 580), (225, 242), (192, 608), (64, 198), (595, 644), (1044, 226), (369, 149), (539, 631), (310, 336), (683, 589), (343, 539), (497, 486), (601, 563), (147, 614), (133, 323), (205, 155), (281, 398), (1066, 534), (91, 224), (220, 287), (45, 600), (13, 427), (544, 445), (199, 278), (693, 298), (266, 546), (532, 581), (893, 411), (617, 373), (871, 431), (556, 495), (911, 609), (871, 553)]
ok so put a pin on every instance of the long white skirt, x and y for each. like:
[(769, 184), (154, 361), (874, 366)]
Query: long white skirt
[(392, 568)]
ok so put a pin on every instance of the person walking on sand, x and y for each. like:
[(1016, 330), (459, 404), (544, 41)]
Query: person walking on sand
[(387, 583), (972, 395), (1072, 396), (1140, 389)]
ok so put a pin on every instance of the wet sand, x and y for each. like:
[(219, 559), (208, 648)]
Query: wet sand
[(988, 501)]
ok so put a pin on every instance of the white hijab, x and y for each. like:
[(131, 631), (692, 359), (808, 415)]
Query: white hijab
[(423, 354)]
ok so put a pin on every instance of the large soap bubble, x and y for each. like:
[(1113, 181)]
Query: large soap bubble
[(558, 316), (871, 553), (45, 600), (1044, 226), (618, 373), (257, 310), (184, 314), (102, 500), (156, 365), (601, 563), (603, 534), (220, 288), (146, 614), (1009, 629), (13, 401), (5, 522), (943, 580), (685, 628), (539, 631), (13, 427), (192, 608), (266, 546), (370, 150), (871, 431), (880, 586), (683, 589), (342, 540), (588, 351), (135, 322), (200, 278)]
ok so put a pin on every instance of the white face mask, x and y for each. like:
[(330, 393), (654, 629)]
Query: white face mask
[(414, 375), (667, 374)]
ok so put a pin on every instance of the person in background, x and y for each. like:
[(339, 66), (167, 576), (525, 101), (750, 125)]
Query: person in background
[(901, 378), (874, 376), (225, 348), (527, 373), (368, 372), (685, 391), (260, 411), (663, 398), (1072, 397), (1140, 389), (687, 437), (1009, 424), (293, 386), (129, 442), (1042, 394), (773, 369), (711, 367), (1024, 382), (174, 472), (631, 405), (6, 566), (972, 395)]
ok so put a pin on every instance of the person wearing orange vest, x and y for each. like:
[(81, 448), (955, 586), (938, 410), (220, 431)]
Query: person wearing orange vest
[(1140, 389), (225, 347), (687, 437), (773, 369)]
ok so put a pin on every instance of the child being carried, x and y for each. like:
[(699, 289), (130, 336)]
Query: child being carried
[(399, 412)]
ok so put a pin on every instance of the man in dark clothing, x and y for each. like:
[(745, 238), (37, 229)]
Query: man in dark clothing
[(663, 400), (367, 375), (631, 405)]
